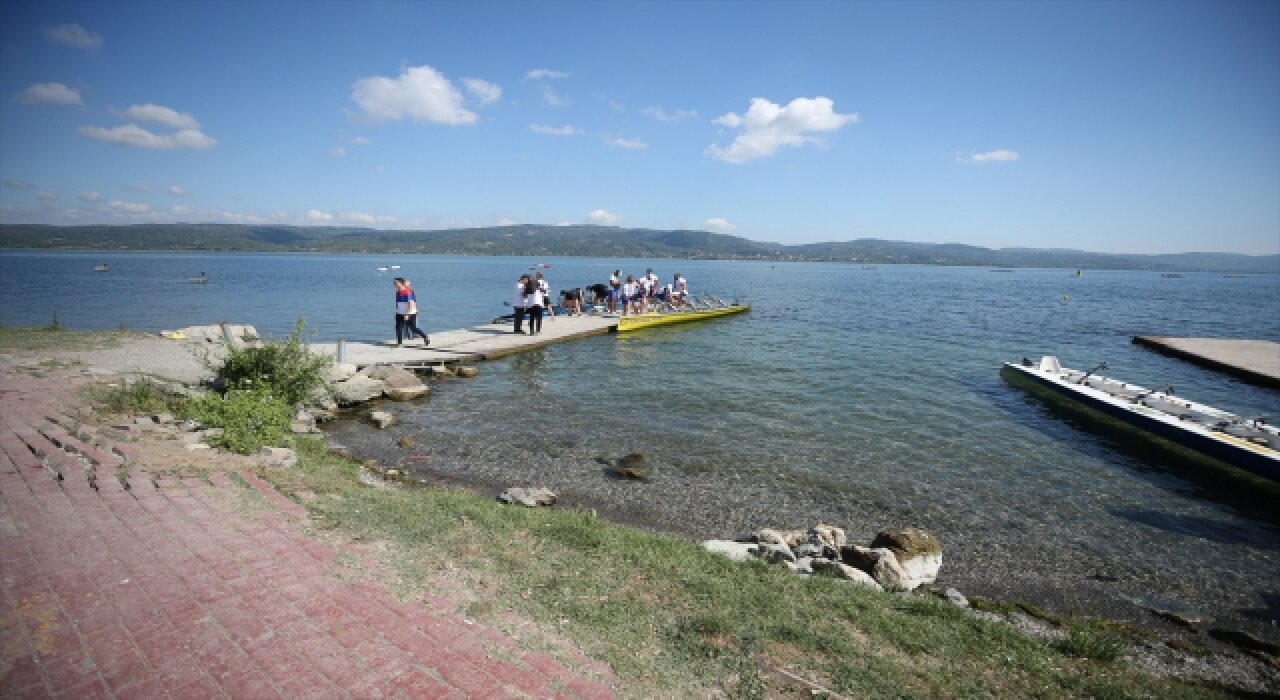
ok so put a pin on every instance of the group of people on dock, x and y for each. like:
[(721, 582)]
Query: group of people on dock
[(646, 293), (532, 300), (532, 297)]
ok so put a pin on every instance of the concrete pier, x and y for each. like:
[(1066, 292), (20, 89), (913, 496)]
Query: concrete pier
[(474, 344), (1256, 361)]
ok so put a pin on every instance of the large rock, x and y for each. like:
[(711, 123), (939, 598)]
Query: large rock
[(775, 553), (357, 389), (278, 456), (786, 538), (880, 563), (828, 537), (919, 552), (399, 384), (531, 498), (737, 551), (339, 372), (845, 572)]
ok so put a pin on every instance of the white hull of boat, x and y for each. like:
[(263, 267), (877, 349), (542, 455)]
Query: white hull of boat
[(1249, 444)]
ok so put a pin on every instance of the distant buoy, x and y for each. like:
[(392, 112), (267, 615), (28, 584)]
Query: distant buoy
[(1066, 297)]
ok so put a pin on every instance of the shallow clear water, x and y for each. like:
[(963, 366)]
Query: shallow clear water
[(868, 397)]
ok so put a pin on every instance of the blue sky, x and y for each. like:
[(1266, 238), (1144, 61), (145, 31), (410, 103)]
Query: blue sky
[(1110, 126)]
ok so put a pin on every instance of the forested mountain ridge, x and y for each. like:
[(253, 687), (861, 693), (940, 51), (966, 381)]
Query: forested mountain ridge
[(594, 241)]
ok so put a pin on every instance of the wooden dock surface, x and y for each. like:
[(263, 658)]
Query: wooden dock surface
[(474, 344), (1256, 361)]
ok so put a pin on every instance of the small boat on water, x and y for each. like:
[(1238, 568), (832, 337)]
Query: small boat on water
[(1250, 444), (202, 279), (101, 268), (636, 322)]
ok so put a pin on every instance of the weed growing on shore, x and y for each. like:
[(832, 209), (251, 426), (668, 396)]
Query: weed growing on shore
[(249, 419), (142, 395), (286, 368)]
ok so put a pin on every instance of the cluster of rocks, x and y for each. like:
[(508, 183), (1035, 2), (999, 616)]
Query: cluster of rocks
[(896, 560)]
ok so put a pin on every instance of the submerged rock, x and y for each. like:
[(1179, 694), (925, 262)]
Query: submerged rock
[(382, 419)]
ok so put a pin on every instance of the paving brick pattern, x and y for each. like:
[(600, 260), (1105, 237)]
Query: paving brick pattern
[(117, 581)]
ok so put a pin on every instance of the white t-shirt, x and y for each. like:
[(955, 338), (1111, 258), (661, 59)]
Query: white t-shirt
[(535, 299), (518, 300), (681, 286), (630, 289)]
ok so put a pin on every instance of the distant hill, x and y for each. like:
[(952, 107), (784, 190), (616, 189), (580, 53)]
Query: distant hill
[(595, 241)]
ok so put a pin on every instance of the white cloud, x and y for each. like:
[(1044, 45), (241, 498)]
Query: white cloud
[(506, 221), (179, 210), (360, 218), (719, 225), (338, 152), (158, 114), (74, 35), (177, 191), (317, 216), (663, 116), (132, 208), (90, 196), (420, 93), (138, 137), (766, 127), (550, 97), (17, 184), (482, 90), (50, 94), (996, 156), (361, 140), (140, 188), (601, 217), (47, 196), (543, 74), (565, 130), (629, 144)]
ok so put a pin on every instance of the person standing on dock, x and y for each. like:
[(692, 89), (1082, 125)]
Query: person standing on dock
[(545, 287), (407, 313), (533, 302), (518, 303), (615, 290)]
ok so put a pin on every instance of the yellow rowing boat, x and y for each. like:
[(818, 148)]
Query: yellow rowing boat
[(638, 322)]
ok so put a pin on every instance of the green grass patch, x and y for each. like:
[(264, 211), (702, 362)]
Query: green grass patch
[(674, 621)]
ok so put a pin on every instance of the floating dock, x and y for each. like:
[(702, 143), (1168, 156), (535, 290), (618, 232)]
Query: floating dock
[(493, 340), (1255, 361)]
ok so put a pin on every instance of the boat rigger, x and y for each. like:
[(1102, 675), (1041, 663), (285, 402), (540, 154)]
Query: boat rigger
[(1250, 444)]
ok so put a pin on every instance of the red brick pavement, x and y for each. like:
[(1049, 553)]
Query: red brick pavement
[(136, 584)]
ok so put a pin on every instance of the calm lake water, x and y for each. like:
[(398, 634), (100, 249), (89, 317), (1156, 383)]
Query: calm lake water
[(871, 398)]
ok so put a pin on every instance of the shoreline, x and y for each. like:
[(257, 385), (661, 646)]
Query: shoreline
[(124, 348), (1068, 582)]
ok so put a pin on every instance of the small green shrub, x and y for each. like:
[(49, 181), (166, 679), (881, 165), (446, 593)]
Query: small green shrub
[(249, 419), (142, 395), (286, 369)]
